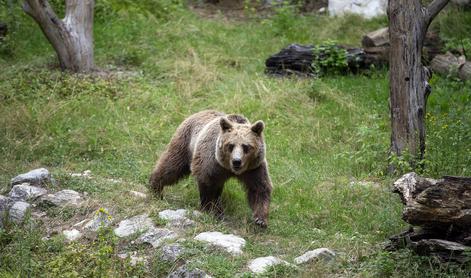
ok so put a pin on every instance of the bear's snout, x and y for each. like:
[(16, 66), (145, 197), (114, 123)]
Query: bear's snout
[(236, 163)]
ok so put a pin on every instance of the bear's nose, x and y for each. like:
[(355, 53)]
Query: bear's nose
[(236, 163)]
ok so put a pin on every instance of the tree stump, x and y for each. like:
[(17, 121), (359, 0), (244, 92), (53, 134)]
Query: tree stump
[(440, 212)]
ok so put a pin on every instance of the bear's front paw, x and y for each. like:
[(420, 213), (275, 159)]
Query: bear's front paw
[(261, 222)]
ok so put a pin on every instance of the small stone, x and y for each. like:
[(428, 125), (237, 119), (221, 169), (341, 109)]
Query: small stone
[(171, 252), (26, 192), (86, 174), (184, 272), (262, 264), (156, 236), (62, 198), (231, 243), (138, 194), (72, 235), (33, 177), (324, 254), (176, 218), (138, 223), (101, 218), (134, 259), (18, 211), (171, 215)]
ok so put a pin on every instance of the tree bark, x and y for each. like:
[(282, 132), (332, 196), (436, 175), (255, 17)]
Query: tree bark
[(71, 37), (408, 24)]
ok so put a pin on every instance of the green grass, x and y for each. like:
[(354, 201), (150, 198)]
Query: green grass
[(322, 135)]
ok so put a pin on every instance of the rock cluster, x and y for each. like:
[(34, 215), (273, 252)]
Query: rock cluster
[(27, 193)]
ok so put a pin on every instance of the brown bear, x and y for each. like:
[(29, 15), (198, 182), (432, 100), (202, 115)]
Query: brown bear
[(214, 147)]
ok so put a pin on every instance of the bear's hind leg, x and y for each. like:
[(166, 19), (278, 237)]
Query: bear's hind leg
[(171, 167)]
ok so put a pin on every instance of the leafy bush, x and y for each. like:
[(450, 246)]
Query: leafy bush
[(329, 57)]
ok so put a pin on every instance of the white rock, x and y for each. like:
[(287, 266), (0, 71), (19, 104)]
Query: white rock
[(101, 218), (26, 192), (262, 264), (34, 177), (176, 218), (138, 223), (71, 235), (156, 236), (62, 198), (137, 194), (365, 8), (231, 243), (319, 253), (18, 211), (171, 252), (170, 214)]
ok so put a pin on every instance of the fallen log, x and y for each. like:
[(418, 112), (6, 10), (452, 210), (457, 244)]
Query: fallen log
[(450, 65), (298, 59), (440, 214)]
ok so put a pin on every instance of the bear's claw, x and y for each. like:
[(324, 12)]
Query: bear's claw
[(260, 222)]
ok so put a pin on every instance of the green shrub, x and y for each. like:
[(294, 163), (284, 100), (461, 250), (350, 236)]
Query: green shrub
[(329, 57)]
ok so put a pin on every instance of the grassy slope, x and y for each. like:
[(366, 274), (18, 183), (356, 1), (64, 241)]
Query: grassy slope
[(321, 135)]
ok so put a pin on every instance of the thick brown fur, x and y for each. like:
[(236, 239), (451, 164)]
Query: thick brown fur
[(214, 147)]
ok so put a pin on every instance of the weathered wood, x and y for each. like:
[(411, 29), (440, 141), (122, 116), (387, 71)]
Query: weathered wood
[(298, 59), (408, 79), (445, 64), (378, 55), (377, 45), (378, 37), (71, 37), (464, 72), (439, 203), (450, 65), (440, 210)]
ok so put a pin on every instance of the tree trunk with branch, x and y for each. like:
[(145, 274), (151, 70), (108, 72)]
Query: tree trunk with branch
[(409, 89), (71, 37)]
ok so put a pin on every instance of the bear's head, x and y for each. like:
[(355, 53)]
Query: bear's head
[(240, 145)]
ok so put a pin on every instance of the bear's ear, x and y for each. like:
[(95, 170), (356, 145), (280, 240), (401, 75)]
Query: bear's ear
[(258, 127), (225, 124)]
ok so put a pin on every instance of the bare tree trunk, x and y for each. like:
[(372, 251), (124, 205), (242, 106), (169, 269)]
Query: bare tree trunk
[(408, 24), (71, 37)]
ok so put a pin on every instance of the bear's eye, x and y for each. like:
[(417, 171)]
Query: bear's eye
[(246, 148), (230, 147)]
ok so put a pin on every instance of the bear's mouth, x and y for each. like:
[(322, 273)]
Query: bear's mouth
[(236, 169)]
